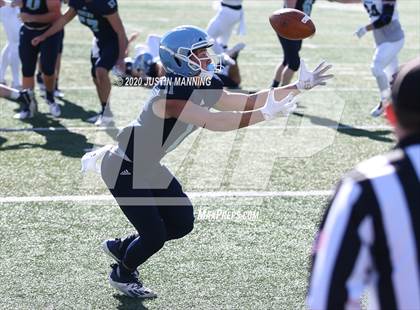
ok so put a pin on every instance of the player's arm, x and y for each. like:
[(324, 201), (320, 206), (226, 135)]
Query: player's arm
[(57, 26), (306, 81), (116, 23), (54, 12), (191, 113), (341, 251), (386, 17)]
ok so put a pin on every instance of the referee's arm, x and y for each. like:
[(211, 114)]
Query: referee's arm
[(341, 257)]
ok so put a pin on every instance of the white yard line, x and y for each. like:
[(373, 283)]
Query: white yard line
[(108, 198), (275, 127)]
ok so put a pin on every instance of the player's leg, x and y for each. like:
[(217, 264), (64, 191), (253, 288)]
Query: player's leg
[(49, 52), (221, 26), (57, 92), (137, 205), (4, 62), (4, 55), (21, 96), (28, 56), (384, 55), (291, 62), (12, 28), (229, 19), (175, 209), (108, 55), (215, 29), (40, 80)]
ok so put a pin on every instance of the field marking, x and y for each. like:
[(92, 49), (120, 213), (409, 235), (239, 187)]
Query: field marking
[(109, 198), (274, 127)]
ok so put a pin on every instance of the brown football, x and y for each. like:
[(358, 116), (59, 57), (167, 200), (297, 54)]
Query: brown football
[(292, 24)]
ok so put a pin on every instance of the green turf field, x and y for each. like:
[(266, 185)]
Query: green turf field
[(245, 252)]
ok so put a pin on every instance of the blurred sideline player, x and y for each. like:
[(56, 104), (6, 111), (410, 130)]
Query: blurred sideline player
[(57, 92), (111, 41), (21, 96), (291, 59), (389, 40), (10, 52), (37, 17), (146, 64), (147, 192), (229, 14)]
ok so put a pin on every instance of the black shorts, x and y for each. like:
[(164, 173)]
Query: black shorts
[(106, 57), (28, 53), (60, 47), (291, 50)]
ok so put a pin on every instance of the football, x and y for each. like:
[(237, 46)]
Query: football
[(292, 24)]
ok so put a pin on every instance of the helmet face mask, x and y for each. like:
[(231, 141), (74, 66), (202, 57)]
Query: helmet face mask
[(177, 55)]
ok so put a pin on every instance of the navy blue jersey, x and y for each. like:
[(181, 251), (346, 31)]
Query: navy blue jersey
[(149, 137), (91, 14), (35, 7)]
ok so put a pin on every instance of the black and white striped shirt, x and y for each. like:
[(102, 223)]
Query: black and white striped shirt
[(370, 236)]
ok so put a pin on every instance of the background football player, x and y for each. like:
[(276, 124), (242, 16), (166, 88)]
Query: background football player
[(10, 52), (230, 13), (37, 17), (146, 64), (148, 194), (291, 60), (103, 19), (389, 40), (57, 92)]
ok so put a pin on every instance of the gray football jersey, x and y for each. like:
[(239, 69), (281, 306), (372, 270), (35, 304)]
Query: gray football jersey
[(389, 33)]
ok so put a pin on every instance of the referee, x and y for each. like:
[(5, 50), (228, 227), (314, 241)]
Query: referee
[(370, 235)]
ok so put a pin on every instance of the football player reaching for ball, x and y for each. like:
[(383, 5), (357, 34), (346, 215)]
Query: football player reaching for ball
[(389, 40), (147, 192)]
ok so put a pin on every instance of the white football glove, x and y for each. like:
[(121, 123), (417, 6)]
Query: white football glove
[(274, 108), (310, 79), (360, 32)]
